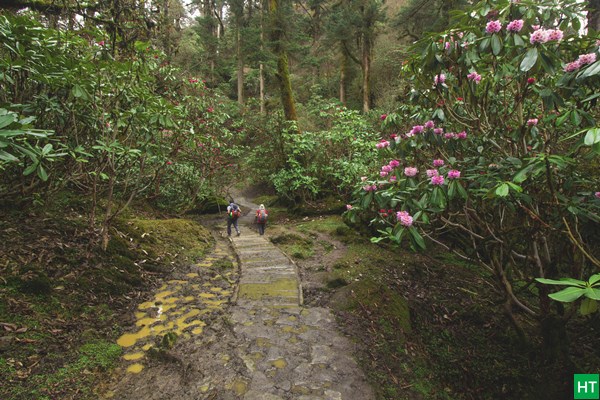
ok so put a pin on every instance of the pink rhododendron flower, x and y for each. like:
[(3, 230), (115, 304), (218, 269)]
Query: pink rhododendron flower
[(539, 36), (532, 122), (169, 162), (429, 124), (530, 81), (370, 188), (555, 34), (572, 66), (461, 135), (386, 168), (383, 174), (404, 218), (383, 117), (515, 25), (100, 43), (453, 174), (437, 180), (493, 27), (585, 59), (439, 79), (432, 172), (393, 178), (348, 206), (416, 129), (474, 76), (449, 135), (410, 171), (438, 131), (382, 144), (394, 163), (438, 162), (597, 194)]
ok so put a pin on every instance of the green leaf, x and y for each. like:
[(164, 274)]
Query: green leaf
[(502, 190), (588, 306), (530, 59), (592, 293), (29, 170), (519, 40), (565, 282), (496, 44), (594, 279), (568, 295), (593, 69), (592, 137), (461, 191), (6, 120), (485, 43), (7, 156), (417, 237), (367, 200), (41, 171)]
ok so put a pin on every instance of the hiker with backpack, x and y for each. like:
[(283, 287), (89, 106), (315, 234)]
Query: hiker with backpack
[(233, 213), (261, 219)]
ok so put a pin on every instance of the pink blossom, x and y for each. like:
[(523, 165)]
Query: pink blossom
[(438, 162), (429, 124), (493, 27), (439, 79), (555, 34), (453, 174), (432, 172), (416, 129), (585, 59), (383, 117), (437, 180), (597, 194), (449, 135), (539, 36), (461, 135), (410, 171), (532, 122), (573, 66), (474, 76), (370, 188), (393, 178), (394, 163), (515, 25), (169, 162), (100, 43), (404, 218), (386, 168), (348, 206), (382, 143), (530, 81), (383, 174), (438, 131)]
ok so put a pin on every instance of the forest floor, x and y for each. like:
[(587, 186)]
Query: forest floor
[(419, 324)]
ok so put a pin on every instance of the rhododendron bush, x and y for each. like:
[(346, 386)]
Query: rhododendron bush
[(497, 152)]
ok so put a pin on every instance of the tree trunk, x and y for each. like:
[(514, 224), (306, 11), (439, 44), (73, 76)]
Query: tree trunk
[(283, 74), (261, 83), (240, 67), (343, 71), (366, 70), (593, 16)]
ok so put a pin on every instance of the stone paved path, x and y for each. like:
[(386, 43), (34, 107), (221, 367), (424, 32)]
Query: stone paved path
[(291, 352), (255, 343)]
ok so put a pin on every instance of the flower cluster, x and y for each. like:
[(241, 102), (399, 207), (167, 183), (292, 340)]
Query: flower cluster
[(404, 218), (532, 122), (542, 35), (386, 169), (382, 143), (493, 27), (370, 188), (515, 25), (597, 194), (582, 60), (439, 79), (437, 180), (474, 76), (453, 174), (410, 171)]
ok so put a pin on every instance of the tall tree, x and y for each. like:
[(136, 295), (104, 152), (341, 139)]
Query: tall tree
[(277, 15)]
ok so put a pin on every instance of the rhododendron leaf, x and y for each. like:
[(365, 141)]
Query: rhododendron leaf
[(592, 70), (502, 190), (564, 282), (575, 118), (547, 64), (529, 60), (485, 43), (588, 306), (451, 190), (461, 191), (417, 237), (568, 295), (367, 200), (521, 176), (496, 44), (561, 120), (592, 136), (519, 40)]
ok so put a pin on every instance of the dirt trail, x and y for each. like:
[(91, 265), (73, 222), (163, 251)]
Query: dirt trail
[(253, 340)]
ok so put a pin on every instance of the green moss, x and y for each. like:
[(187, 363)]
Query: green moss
[(223, 263), (168, 340)]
